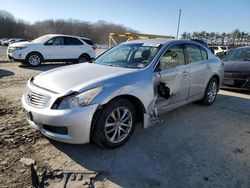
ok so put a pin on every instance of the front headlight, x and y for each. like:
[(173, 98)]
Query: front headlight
[(77, 99), (19, 48)]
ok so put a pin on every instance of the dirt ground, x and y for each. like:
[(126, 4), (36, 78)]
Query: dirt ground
[(196, 146)]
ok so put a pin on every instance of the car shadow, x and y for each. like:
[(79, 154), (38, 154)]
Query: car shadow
[(45, 66), (182, 151), (5, 73)]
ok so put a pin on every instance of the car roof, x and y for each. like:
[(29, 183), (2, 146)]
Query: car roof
[(159, 41), (242, 47), (55, 35), (151, 41)]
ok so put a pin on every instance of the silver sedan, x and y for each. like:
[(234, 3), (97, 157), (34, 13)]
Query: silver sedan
[(129, 84)]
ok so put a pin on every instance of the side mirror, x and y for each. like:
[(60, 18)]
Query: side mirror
[(48, 44)]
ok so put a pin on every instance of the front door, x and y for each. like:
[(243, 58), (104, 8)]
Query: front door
[(175, 74), (54, 49)]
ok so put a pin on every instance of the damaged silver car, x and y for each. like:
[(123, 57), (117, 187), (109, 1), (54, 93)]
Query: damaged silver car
[(133, 82)]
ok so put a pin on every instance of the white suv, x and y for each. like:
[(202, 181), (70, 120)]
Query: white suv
[(52, 47)]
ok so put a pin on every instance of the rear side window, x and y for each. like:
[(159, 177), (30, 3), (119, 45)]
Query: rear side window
[(173, 57), (194, 53), (88, 41), (204, 54), (71, 41)]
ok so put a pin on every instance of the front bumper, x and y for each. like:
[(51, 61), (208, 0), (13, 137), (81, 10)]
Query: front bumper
[(239, 81), (77, 122), (17, 55)]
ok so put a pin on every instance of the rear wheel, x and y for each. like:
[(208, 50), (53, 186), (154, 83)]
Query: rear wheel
[(83, 59), (115, 124), (211, 92), (34, 59)]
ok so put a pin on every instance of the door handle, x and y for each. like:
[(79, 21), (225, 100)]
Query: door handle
[(185, 73)]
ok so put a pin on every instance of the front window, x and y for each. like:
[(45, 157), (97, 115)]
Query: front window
[(173, 57), (129, 55), (57, 41), (242, 54)]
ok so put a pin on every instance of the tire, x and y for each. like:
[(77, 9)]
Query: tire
[(211, 92), (83, 59), (34, 59), (111, 129)]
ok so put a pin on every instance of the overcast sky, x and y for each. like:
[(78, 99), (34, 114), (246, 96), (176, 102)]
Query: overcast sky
[(146, 16)]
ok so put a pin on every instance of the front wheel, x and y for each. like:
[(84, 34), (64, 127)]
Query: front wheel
[(211, 92), (34, 59), (115, 124)]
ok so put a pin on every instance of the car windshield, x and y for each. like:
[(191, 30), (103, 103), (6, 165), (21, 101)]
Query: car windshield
[(238, 54), (132, 55), (41, 39)]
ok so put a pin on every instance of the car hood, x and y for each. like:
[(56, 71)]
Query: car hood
[(241, 66), (20, 44), (76, 77)]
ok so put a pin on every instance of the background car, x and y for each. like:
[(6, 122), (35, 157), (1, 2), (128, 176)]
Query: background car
[(217, 49), (237, 68), (53, 47), (225, 49), (3, 40), (128, 84), (12, 41)]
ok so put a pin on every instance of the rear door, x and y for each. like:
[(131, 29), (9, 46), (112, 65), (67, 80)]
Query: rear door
[(73, 47), (175, 74), (197, 60)]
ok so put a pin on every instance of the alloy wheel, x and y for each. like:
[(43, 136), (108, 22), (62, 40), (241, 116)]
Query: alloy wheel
[(34, 60), (212, 91), (118, 125)]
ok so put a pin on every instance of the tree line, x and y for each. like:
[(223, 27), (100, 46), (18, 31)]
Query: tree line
[(233, 38), (99, 32)]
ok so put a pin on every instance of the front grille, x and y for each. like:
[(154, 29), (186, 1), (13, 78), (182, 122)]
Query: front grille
[(241, 75), (36, 99)]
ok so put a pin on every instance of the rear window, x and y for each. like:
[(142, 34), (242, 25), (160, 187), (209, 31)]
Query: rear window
[(71, 41), (88, 41), (223, 48), (204, 54), (194, 53)]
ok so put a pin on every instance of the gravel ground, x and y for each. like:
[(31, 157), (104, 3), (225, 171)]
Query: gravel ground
[(196, 146), (3, 56)]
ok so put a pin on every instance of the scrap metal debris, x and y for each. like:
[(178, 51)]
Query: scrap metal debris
[(62, 179)]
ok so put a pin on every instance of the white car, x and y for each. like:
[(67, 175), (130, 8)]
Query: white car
[(217, 50), (52, 47), (225, 49)]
